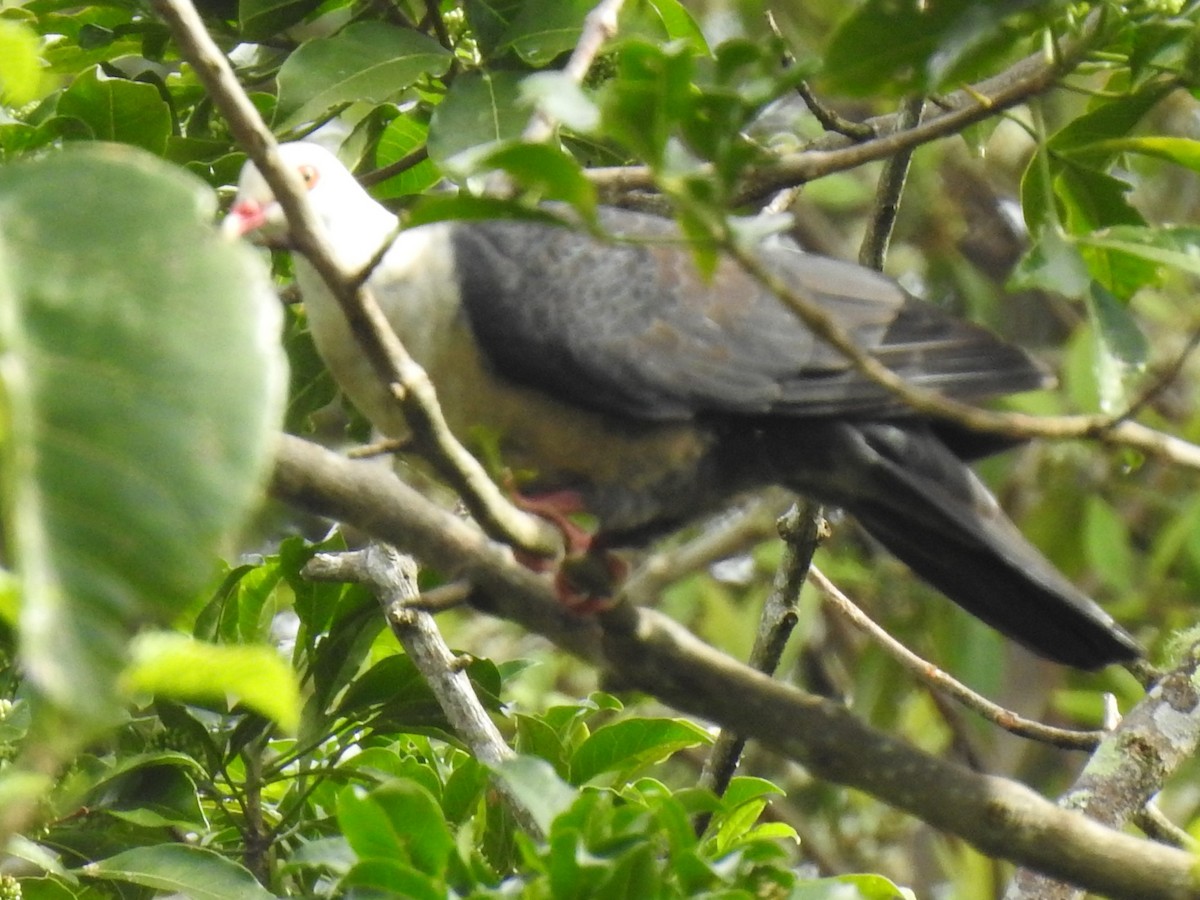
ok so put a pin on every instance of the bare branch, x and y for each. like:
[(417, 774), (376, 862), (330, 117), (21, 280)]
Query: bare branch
[(930, 675), (802, 528), (887, 194), (836, 153), (830, 120), (1131, 764)]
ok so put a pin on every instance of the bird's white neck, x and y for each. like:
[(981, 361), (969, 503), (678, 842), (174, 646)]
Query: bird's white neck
[(355, 240)]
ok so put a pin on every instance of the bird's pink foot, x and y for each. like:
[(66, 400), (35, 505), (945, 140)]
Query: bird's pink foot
[(586, 576)]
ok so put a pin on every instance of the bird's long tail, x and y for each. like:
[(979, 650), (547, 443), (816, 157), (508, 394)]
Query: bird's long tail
[(918, 499)]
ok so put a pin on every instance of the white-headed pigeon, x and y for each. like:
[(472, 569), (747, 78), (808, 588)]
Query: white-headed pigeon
[(620, 376)]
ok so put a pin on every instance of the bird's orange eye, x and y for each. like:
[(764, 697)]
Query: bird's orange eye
[(309, 174)]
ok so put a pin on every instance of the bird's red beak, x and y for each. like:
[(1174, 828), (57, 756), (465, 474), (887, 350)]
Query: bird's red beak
[(244, 217)]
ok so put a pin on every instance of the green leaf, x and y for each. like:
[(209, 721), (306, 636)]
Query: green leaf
[(548, 172), (537, 787), (403, 136), (1121, 349), (264, 19), (140, 402), (744, 788), (1052, 264), (174, 665), (1181, 151), (194, 872), (562, 99), (1108, 545), (1178, 247), (391, 879), (899, 48), (1080, 145), (677, 23), (116, 109), (480, 109), (367, 61), (850, 887), (489, 20), (632, 744), (398, 821), (545, 29), (21, 77)]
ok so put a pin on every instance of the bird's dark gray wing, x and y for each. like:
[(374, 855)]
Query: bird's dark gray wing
[(629, 326)]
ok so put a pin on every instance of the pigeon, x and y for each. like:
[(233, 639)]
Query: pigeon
[(614, 374)]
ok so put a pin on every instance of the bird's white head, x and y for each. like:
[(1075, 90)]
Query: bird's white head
[(336, 198)]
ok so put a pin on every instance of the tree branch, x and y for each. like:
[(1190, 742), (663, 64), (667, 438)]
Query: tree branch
[(837, 153), (1131, 765), (933, 677), (802, 528)]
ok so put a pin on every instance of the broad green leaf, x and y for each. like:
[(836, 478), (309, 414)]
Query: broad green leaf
[(403, 136), (489, 20), (116, 109), (391, 878), (263, 19), (140, 402), (652, 92), (535, 784), (22, 79), (1178, 247), (1108, 544), (562, 99), (631, 744), (398, 821), (481, 109), (193, 872), (1091, 200), (545, 29), (850, 887), (398, 697), (1079, 145), (548, 172), (1121, 349), (177, 666), (367, 61), (1181, 151), (898, 48), (42, 857), (1052, 264), (744, 788), (677, 23)]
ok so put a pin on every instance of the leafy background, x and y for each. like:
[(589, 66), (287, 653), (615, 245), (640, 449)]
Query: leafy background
[(264, 735)]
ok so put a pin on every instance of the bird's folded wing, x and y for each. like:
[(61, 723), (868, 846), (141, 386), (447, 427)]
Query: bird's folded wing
[(631, 327)]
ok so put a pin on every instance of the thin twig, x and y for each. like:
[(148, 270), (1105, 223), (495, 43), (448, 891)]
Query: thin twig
[(729, 534), (829, 118), (802, 528), (886, 205), (929, 674), (403, 164)]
